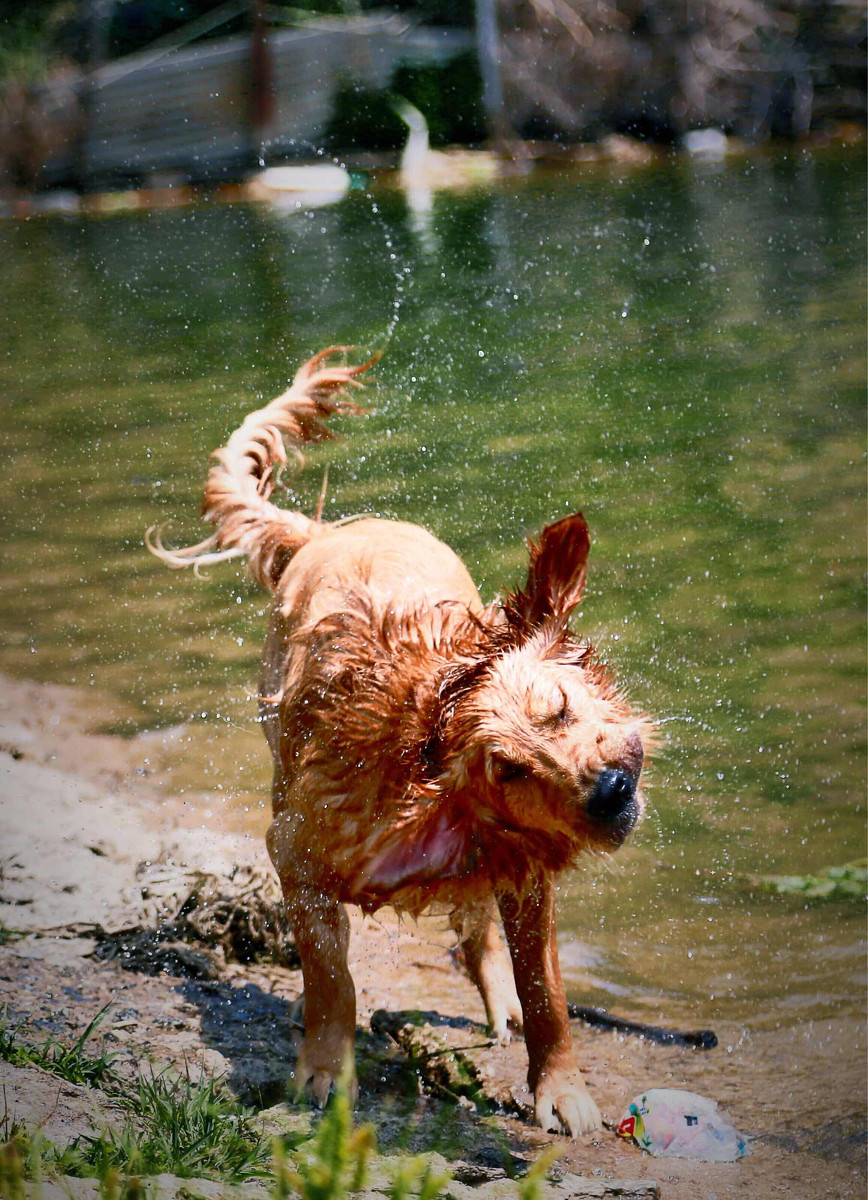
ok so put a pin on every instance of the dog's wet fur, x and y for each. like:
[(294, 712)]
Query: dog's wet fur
[(426, 748)]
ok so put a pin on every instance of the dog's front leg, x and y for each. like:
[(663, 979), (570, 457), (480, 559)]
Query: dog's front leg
[(488, 966), (561, 1098), (322, 935)]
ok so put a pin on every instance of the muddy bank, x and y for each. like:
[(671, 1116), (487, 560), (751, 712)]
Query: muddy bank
[(114, 894)]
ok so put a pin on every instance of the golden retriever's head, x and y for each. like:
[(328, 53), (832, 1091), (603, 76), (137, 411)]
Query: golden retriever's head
[(545, 745), (528, 754), (534, 733)]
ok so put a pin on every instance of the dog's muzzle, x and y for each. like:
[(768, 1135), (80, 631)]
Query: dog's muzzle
[(613, 803)]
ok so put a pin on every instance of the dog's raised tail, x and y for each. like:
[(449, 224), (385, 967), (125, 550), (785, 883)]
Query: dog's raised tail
[(245, 471)]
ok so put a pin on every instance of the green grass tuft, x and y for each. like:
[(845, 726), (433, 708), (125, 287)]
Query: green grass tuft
[(183, 1127), (176, 1124), (530, 1186), (192, 1127), (415, 1177), (68, 1062), (333, 1164)]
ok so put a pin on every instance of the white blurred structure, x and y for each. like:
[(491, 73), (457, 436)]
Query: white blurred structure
[(710, 144), (300, 186)]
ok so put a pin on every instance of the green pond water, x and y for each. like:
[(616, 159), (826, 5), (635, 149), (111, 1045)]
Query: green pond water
[(679, 352)]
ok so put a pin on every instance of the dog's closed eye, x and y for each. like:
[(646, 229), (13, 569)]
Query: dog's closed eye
[(507, 770), (560, 713)]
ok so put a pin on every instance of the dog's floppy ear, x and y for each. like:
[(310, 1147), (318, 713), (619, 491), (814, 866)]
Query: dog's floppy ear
[(556, 576), (424, 851)]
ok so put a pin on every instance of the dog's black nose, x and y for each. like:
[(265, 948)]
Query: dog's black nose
[(613, 794)]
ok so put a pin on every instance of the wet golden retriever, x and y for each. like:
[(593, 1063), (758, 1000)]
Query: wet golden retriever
[(426, 748)]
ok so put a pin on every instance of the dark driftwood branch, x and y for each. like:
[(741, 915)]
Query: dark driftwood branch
[(700, 1039)]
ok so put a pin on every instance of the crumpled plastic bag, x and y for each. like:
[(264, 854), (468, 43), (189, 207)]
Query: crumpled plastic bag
[(670, 1123)]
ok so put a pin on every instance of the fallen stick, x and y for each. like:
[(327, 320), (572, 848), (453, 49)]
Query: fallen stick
[(700, 1039)]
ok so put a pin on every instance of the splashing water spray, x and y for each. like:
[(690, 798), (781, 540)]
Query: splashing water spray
[(400, 271)]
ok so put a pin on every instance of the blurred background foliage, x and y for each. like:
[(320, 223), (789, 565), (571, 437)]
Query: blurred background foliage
[(39, 33), (569, 70)]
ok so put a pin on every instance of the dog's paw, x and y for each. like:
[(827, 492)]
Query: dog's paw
[(502, 1005), (505, 1021), (506, 1025), (563, 1104), (318, 1080)]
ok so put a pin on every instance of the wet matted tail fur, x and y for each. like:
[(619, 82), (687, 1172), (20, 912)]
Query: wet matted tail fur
[(244, 473)]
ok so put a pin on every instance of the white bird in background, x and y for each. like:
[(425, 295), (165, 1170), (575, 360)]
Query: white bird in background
[(422, 167), (423, 171)]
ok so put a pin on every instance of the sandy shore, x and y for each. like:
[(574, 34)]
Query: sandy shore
[(94, 856)]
